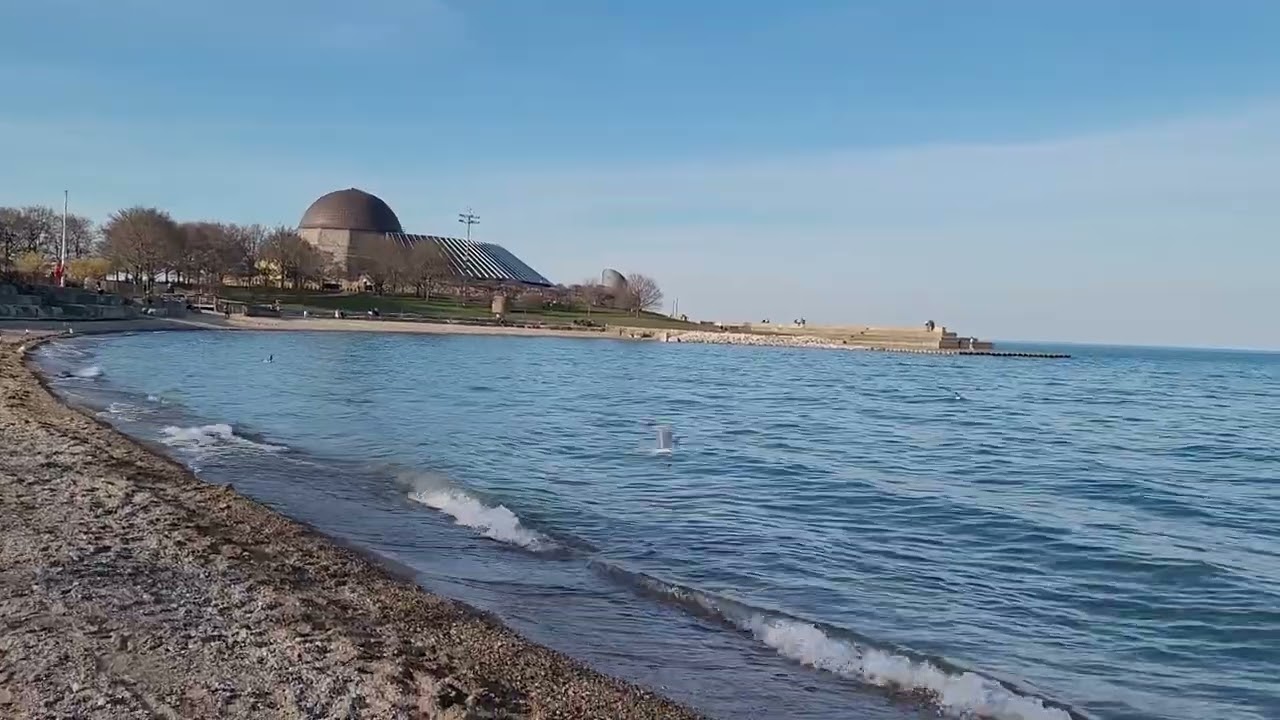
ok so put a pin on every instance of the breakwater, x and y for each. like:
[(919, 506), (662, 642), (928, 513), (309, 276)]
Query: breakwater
[(905, 341)]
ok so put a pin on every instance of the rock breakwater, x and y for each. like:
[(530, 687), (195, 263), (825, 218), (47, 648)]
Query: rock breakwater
[(732, 338)]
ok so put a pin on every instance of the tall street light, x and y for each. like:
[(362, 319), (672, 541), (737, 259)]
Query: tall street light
[(468, 218), (62, 253)]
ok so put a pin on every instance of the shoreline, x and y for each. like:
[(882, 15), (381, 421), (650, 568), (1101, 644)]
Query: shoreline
[(131, 588), (325, 324), (620, 333)]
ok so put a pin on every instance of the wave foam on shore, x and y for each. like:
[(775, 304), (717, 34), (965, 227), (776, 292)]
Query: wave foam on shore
[(496, 522), (88, 373), (123, 411), (211, 437), (955, 692)]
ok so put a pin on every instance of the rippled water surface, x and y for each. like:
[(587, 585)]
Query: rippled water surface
[(834, 535)]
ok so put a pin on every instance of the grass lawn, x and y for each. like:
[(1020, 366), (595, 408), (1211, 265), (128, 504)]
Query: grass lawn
[(322, 303)]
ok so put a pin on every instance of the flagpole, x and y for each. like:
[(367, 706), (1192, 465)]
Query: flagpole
[(62, 256)]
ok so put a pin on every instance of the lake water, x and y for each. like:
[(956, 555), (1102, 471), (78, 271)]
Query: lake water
[(831, 535)]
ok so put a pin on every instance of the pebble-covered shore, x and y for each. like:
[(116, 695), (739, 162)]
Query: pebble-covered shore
[(131, 589)]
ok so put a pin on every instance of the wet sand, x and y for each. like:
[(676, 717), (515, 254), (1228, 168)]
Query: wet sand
[(130, 588)]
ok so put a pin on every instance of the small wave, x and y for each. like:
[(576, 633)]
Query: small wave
[(123, 411), (88, 373), (956, 692), (155, 399), (63, 350), (493, 521), (210, 437)]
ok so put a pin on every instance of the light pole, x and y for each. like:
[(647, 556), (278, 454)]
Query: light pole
[(62, 254), (468, 218)]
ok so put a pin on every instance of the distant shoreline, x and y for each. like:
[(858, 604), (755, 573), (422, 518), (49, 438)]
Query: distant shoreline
[(174, 596), (625, 333), (241, 322)]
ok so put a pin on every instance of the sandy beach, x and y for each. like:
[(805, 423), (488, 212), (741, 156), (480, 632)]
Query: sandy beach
[(130, 588), (243, 322)]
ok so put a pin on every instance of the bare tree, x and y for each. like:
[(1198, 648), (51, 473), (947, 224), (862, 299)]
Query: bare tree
[(427, 268), (591, 294), (294, 258), (140, 240), (9, 221), (642, 293), (35, 226), (38, 229), (201, 252), (82, 236), (244, 251), (384, 263)]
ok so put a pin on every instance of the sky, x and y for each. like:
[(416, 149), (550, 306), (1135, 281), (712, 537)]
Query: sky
[(1089, 171)]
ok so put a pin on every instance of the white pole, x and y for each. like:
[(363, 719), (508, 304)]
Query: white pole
[(62, 258)]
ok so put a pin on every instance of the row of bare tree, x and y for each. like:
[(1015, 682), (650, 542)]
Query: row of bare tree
[(642, 293), (392, 267), (37, 230), (143, 242)]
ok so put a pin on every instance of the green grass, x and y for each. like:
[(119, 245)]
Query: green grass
[(322, 303)]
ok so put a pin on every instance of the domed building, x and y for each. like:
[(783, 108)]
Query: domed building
[(350, 209), (346, 223), (613, 280)]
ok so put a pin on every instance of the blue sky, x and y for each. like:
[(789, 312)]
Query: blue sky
[(1088, 171)]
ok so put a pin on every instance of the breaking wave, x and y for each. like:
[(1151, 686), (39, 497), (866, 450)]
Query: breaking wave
[(213, 437), (87, 373), (495, 522), (124, 411), (955, 692)]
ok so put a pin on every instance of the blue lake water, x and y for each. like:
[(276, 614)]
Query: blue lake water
[(833, 535)]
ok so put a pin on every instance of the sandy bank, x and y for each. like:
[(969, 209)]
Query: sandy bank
[(129, 588)]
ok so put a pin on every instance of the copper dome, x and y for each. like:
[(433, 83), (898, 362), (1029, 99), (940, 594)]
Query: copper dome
[(351, 209)]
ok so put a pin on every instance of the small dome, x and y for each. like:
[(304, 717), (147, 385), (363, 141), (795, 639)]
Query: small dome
[(351, 209), (613, 280)]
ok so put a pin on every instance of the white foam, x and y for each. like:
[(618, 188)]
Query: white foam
[(494, 522), (965, 695), (88, 373), (960, 695), (207, 437), (123, 411)]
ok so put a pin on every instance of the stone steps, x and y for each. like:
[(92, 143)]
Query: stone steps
[(56, 303)]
